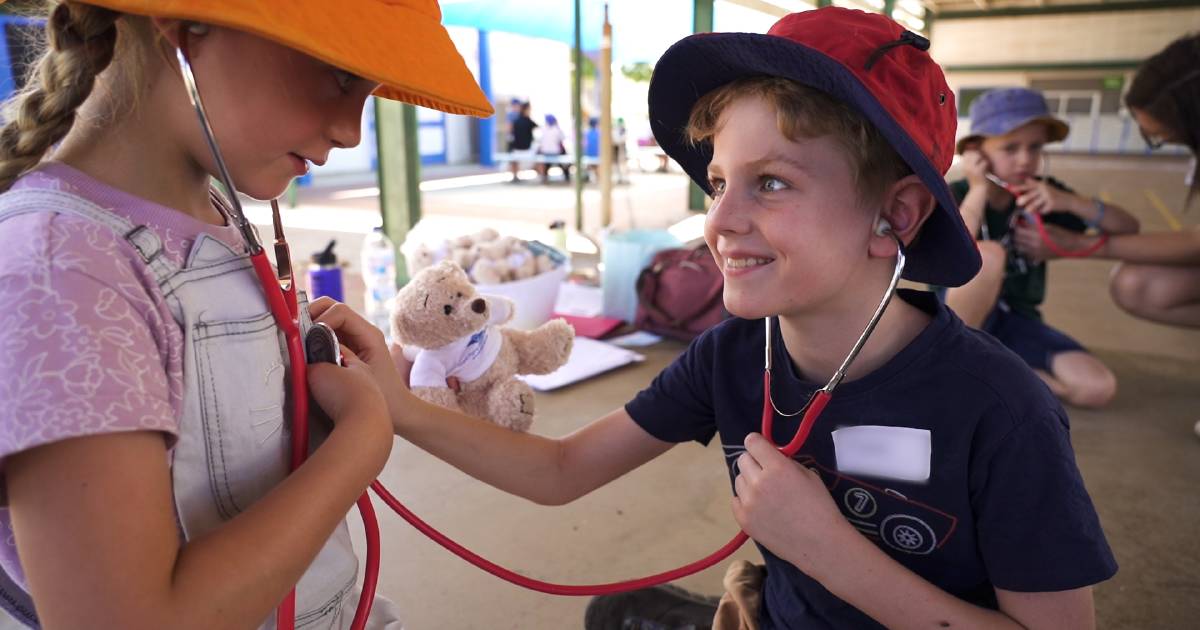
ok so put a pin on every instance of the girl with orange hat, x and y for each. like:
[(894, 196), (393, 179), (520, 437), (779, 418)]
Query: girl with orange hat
[(143, 437)]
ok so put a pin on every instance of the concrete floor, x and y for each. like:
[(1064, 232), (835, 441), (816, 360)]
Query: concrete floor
[(1139, 457)]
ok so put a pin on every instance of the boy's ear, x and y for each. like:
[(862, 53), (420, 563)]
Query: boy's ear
[(907, 205)]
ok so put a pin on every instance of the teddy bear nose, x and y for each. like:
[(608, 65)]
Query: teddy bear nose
[(478, 305), (448, 309)]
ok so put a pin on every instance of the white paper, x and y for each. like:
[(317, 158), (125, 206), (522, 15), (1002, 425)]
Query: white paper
[(589, 357), (579, 300), (889, 452)]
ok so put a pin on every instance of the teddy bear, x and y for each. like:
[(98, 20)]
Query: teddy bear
[(462, 358)]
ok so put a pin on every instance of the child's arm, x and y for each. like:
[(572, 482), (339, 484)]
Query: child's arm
[(786, 508), (973, 205), (1042, 197), (96, 530), (548, 471), (1155, 248)]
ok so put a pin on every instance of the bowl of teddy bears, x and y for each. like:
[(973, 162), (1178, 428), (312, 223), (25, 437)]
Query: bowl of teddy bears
[(527, 272)]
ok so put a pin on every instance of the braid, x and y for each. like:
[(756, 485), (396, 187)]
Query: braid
[(82, 39)]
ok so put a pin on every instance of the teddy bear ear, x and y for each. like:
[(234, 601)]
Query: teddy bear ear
[(500, 309), (446, 269)]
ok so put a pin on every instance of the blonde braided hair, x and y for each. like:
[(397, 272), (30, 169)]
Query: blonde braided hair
[(82, 39)]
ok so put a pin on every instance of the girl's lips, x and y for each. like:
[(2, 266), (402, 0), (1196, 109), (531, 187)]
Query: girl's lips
[(299, 165)]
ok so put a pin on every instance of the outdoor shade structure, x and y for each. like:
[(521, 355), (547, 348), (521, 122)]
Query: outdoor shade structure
[(641, 32)]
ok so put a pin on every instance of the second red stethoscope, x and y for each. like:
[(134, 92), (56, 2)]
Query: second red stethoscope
[(279, 288), (1040, 226)]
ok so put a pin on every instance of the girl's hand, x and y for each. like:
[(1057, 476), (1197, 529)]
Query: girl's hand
[(786, 508), (386, 365), (976, 167), (350, 396), (1042, 198)]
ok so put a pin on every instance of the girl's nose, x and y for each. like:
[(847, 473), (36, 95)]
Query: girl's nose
[(345, 130)]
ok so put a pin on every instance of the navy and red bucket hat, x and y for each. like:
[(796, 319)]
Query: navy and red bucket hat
[(865, 60)]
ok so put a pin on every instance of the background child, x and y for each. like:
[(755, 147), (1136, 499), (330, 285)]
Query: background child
[(143, 433), (807, 137), (1009, 128)]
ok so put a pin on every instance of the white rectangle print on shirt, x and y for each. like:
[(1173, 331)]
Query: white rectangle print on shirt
[(897, 453)]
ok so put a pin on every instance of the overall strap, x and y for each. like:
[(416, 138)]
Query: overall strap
[(143, 240)]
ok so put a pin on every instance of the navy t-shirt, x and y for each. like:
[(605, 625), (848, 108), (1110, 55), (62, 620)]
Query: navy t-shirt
[(1004, 505)]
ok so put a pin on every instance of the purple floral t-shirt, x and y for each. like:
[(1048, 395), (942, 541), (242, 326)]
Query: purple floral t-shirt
[(88, 344)]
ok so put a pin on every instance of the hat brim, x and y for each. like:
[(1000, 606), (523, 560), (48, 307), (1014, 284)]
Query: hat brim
[(944, 254), (1058, 131), (408, 52)]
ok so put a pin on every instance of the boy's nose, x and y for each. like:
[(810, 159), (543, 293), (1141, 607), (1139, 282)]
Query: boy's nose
[(727, 215)]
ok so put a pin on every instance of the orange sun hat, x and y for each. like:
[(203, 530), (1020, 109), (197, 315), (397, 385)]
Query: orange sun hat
[(400, 44)]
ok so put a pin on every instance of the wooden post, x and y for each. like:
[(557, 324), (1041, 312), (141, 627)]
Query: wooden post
[(606, 145), (399, 173)]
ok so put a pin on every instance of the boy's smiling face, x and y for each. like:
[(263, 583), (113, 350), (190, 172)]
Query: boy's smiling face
[(787, 226)]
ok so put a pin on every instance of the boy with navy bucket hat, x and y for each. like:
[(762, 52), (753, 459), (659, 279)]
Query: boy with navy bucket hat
[(823, 145), (1002, 533), (1002, 156)]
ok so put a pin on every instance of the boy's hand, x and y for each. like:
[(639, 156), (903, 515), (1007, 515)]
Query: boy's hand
[(976, 167), (786, 508), (1029, 242), (1042, 198)]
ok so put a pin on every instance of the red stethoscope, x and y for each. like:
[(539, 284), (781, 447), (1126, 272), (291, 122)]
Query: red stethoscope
[(280, 291), (1040, 226), (810, 412), (279, 288)]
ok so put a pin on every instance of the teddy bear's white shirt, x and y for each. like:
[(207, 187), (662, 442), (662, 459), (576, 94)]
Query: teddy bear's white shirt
[(466, 358)]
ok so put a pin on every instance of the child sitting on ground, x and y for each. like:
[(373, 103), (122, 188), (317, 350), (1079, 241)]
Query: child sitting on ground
[(1009, 129)]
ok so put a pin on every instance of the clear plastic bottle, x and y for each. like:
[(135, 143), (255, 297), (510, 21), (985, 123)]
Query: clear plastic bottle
[(379, 276)]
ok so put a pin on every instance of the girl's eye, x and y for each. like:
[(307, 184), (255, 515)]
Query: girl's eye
[(343, 79), (772, 184)]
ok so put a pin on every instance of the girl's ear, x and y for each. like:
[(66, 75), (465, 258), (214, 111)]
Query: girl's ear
[(167, 29), (907, 206)]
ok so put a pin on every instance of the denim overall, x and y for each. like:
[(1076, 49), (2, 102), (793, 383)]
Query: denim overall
[(234, 434)]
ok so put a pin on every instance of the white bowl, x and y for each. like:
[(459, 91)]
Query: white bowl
[(533, 297)]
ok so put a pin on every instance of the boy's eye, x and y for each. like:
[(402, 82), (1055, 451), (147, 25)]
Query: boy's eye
[(772, 184), (717, 185)]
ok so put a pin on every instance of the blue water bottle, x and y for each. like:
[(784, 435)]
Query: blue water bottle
[(325, 274)]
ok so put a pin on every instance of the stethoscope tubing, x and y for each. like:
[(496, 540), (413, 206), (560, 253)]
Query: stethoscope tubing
[(1040, 226)]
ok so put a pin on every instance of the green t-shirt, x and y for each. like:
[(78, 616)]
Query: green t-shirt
[(1024, 282)]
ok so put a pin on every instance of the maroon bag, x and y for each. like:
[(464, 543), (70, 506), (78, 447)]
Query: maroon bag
[(679, 294)]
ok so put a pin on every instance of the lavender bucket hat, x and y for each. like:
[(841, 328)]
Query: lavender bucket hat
[(997, 112)]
